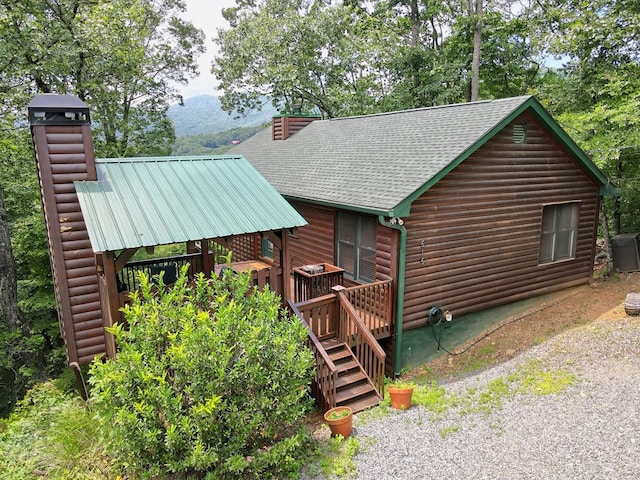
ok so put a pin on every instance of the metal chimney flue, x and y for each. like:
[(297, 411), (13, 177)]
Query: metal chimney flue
[(53, 109)]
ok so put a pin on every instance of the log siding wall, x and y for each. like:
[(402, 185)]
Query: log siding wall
[(65, 154), (481, 227), (316, 242)]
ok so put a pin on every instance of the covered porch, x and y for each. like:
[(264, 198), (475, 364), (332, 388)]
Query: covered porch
[(213, 206)]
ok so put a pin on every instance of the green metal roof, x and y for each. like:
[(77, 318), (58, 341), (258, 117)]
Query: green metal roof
[(138, 202)]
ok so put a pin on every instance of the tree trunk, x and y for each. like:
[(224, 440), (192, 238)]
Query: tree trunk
[(606, 237), (617, 222), (9, 310), (475, 11)]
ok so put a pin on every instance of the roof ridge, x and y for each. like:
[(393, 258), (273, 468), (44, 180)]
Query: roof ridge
[(433, 107)]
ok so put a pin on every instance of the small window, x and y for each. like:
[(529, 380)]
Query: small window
[(267, 248), (356, 246), (519, 133), (559, 232)]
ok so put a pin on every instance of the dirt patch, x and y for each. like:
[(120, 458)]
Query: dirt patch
[(602, 299)]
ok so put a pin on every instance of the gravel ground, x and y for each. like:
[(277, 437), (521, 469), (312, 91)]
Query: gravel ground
[(590, 430)]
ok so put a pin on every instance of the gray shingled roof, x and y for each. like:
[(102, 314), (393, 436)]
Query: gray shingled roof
[(376, 162)]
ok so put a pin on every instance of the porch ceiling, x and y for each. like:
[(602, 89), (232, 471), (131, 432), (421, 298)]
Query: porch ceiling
[(138, 202)]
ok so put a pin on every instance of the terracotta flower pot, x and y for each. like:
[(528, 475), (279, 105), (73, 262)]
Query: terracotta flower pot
[(400, 396), (340, 421)]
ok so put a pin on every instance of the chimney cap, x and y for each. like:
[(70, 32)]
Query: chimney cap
[(55, 109)]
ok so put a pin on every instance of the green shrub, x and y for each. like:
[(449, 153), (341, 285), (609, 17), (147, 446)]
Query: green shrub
[(210, 381)]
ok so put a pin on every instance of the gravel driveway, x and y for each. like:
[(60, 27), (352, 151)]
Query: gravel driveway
[(589, 430)]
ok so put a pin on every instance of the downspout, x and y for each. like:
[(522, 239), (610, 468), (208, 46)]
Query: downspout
[(398, 224)]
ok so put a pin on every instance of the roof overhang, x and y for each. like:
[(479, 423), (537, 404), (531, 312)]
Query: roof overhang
[(139, 202)]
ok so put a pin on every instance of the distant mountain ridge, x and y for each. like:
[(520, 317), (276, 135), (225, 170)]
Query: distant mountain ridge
[(203, 114)]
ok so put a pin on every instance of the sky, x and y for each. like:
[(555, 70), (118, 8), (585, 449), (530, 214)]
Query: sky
[(207, 16)]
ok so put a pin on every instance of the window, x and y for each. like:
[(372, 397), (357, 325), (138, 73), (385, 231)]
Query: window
[(356, 246), (267, 248), (559, 228)]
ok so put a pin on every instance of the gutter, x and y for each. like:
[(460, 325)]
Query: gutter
[(398, 224)]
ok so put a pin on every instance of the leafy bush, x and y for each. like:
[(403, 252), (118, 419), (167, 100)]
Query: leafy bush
[(210, 381), (51, 435)]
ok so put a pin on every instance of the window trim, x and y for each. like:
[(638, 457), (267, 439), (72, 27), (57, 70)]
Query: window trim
[(574, 230), (356, 275)]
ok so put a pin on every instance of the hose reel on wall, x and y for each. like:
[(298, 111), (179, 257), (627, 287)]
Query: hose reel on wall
[(438, 317)]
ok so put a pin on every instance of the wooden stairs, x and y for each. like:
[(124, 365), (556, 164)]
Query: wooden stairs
[(353, 387)]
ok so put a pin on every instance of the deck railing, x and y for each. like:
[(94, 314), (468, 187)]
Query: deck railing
[(320, 315), (373, 302), (353, 331), (128, 276), (326, 375)]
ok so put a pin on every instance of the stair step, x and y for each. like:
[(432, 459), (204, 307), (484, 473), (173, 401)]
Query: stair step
[(364, 402), (346, 366), (338, 355), (348, 378), (332, 343), (354, 391)]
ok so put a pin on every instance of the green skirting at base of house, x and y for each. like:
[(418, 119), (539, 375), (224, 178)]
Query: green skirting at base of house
[(420, 345)]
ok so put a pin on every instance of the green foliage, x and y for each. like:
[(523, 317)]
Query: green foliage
[(123, 57), (51, 435), (335, 456), (210, 380), (533, 378), (214, 143), (323, 54), (26, 358)]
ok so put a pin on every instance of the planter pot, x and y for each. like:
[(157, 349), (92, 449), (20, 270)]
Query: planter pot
[(400, 396), (339, 420)]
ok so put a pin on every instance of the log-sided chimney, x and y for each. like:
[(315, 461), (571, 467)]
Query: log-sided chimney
[(284, 126), (61, 132)]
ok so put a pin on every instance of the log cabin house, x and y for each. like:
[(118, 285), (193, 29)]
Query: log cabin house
[(461, 207), (464, 207)]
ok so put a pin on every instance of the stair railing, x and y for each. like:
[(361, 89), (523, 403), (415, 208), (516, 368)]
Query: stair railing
[(326, 374), (353, 331), (373, 302)]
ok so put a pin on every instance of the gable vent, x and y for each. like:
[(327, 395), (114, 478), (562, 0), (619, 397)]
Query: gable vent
[(520, 133)]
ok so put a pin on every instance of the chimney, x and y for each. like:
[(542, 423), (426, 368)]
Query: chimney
[(61, 132), (284, 126)]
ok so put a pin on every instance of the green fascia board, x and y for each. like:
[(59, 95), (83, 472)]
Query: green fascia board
[(606, 188), (352, 208)]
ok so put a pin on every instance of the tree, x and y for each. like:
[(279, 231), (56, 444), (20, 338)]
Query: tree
[(475, 12), (123, 59), (596, 94), (362, 57), (120, 56), (331, 57)]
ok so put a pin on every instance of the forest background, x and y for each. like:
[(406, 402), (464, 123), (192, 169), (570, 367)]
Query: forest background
[(336, 58)]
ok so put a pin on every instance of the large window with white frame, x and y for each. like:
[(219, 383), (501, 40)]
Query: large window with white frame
[(559, 232), (356, 246)]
